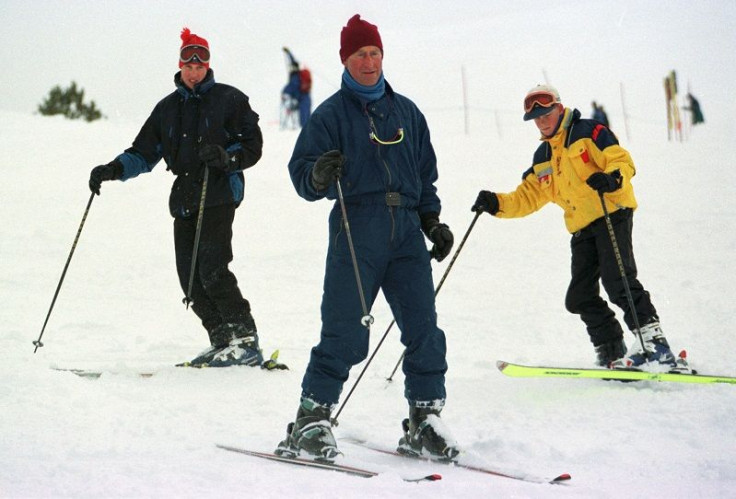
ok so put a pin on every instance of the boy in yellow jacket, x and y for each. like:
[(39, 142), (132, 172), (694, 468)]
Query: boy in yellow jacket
[(578, 166)]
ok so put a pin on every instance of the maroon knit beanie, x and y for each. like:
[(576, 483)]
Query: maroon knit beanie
[(189, 39), (358, 33)]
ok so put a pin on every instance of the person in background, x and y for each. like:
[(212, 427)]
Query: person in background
[(599, 114), (578, 166), (374, 143), (694, 108), (207, 134), (297, 92)]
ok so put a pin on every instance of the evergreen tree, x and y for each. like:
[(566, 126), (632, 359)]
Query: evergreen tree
[(70, 103)]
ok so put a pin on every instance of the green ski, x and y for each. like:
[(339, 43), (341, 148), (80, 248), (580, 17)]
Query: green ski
[(522, 371)]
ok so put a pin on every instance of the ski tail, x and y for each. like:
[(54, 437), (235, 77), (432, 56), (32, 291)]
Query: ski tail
[(323, 465)]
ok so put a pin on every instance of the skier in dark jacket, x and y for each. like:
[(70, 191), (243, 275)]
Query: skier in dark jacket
[(376, 142), (207, 134), (694, 107)]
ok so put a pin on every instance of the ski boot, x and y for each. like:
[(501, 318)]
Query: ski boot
[(233, 344), (219, 340), (242, 350), (310, 434), (425, 434), (656, 354), (609, 352)]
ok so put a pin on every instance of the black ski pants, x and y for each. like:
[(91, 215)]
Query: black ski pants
[(216, 298), (594, 262)]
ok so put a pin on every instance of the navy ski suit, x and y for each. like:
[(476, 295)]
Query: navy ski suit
[(385, 187)]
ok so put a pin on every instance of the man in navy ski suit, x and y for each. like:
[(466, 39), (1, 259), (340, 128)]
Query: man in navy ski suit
[(377, 143), (202, 130)]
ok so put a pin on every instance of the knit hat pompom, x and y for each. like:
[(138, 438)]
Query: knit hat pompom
[(185, 34)]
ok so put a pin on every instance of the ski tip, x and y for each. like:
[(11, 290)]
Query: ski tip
[(562, 478), (501, 364), (433, 477), (273, 364)]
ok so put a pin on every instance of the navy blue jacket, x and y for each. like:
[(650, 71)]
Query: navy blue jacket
[(343, 122), (211, 113)]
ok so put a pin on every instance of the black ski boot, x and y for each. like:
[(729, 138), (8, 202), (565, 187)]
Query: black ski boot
[(310, 434), (425, 434), (610, 352)]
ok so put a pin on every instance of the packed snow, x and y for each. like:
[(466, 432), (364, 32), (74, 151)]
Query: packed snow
[(120, 307)]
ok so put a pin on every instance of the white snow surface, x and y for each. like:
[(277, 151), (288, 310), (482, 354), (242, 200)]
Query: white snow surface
[(119, 309)]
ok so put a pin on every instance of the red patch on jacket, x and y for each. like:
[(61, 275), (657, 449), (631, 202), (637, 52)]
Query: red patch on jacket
[(585, 156), (596, 131), (544, 176)]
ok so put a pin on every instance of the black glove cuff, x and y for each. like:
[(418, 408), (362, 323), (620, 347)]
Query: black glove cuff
[(232, 163), (429, 221), (117, 169), (616, 174), (319, 183)]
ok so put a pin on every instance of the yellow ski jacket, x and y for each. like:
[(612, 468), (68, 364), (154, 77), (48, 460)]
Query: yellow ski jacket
[(560, 167)]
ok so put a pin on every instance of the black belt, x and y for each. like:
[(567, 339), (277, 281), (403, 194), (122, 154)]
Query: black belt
[(387, 199)]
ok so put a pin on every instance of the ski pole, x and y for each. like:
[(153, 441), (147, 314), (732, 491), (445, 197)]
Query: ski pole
[(367, 318), (393, 321), (188, 298), (38, 342), (439, 286), (622, 270)]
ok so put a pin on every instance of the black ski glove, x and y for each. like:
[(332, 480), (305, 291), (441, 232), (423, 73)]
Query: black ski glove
[(487, 201), (604, 182), (439, 234), (111, 171), (326, 169), (216, 157)]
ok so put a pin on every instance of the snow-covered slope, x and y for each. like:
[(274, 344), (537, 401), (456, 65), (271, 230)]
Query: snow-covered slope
[(120, 307)]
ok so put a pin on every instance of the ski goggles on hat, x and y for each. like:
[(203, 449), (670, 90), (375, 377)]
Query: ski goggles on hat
[(194, 53), (539, 99)]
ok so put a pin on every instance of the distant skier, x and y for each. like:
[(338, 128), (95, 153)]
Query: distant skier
[(202, 124), (578, 161), (599, 114), (297, 92), (694, 108)]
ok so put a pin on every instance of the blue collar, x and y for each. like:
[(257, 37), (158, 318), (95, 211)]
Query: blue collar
[(368, 94), (200, 88)]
